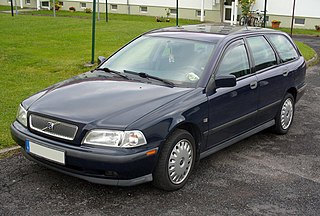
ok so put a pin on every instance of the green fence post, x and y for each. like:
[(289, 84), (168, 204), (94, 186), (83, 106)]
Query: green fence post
[(93, 30)]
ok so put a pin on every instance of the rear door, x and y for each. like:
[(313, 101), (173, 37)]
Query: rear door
[(274, 75), (232, 110), (270, 77)]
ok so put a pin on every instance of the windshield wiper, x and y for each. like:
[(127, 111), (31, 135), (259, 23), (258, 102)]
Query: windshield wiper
[(147, 76), (112, 71)]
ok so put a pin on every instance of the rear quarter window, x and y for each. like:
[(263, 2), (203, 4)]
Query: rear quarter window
[(262, 52), (284, 47)]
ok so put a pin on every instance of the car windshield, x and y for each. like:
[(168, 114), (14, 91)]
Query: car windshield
[(179, 61)]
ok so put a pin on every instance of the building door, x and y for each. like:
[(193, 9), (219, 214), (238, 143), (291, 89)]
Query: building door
[(227, 8)]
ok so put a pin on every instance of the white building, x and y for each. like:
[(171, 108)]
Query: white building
[(306, 12)]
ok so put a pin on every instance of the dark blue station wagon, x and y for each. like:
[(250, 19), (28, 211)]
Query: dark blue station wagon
[(162, 102)]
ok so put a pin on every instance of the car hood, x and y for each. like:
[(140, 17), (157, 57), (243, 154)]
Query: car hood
[(103, 102)]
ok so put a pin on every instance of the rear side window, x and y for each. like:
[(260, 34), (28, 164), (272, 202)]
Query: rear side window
[(262, 52), (285, 49), (235, 61)]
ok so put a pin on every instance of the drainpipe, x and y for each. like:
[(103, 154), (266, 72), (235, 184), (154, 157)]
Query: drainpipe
[(128, 6), (202, 11), (21, 4), (38, 4)]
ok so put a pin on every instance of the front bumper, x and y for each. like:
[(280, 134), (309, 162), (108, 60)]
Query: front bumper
[(110, 166)]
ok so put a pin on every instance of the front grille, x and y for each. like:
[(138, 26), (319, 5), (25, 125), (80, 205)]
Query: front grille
[(52, 127)]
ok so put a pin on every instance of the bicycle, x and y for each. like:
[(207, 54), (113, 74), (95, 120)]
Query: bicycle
[(247, 20), (252, 20), (259, 21)]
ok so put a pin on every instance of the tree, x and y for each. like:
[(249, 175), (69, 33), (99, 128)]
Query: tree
[(246, 6)]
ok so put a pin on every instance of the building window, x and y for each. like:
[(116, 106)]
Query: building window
[(198, 13), (114, 7), (28, 2), (45, 4), (173, 11), (83, 5), (143, 9), (299, 21), (60, 3)]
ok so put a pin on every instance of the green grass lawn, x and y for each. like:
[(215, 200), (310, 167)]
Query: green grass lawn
[(307, 51), (37, 51), (6, 8), (298, 31)]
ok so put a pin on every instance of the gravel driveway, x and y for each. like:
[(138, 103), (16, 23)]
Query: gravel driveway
[(265, 174)]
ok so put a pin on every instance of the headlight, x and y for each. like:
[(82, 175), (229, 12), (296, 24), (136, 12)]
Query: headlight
[(125, 139), (22, 115)]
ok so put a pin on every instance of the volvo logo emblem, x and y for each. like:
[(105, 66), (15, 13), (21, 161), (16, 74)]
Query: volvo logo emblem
[(50, 126)]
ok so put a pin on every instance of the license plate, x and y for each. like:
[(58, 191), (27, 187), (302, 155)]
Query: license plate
[(45, 152)]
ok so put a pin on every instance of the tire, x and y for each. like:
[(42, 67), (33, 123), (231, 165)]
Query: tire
[(254, 21), (285, 115), (176, 161), (242, 21)]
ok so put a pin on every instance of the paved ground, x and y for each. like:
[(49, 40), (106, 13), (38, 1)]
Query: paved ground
[(262, 175)]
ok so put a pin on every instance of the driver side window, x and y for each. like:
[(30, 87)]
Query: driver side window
[(234, 61)]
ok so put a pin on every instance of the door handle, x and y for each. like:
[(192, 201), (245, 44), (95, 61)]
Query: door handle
[(253, 85), (285, 72)]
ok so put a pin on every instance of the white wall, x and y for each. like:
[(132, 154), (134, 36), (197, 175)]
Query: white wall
[(193, 4), (304, 8)]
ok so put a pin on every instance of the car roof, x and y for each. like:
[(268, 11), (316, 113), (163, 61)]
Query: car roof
[(206, 32)]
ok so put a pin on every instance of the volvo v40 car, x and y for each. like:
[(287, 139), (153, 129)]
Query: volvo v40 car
[(162, 102)]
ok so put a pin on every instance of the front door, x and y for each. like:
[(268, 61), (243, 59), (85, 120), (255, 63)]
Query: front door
[(227, 8), (233, 110)]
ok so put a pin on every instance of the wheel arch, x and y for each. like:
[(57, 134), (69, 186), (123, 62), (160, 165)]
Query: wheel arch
[(293, 91), (194, 130)]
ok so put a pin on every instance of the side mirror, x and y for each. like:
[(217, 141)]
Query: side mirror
[(101, 59), (225, 81)]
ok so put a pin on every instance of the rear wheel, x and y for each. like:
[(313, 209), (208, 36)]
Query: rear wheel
[(176, 161), (242, 21), (285, 115), (254, 21)]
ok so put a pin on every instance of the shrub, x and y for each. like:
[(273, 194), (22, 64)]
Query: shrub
[(88, 10), (72, 9), (57, 6)]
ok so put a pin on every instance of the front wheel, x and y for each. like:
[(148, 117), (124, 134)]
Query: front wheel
[(176, 161), (285, 115), (243, 21)]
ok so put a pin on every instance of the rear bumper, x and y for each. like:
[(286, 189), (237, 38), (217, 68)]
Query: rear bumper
[(110, 166), (300, 92)]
